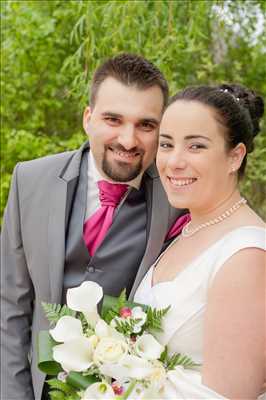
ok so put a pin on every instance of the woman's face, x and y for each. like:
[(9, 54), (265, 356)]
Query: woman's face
[(194, 165)]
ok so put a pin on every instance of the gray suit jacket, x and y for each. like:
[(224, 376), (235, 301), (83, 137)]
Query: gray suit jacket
[(33, 255)]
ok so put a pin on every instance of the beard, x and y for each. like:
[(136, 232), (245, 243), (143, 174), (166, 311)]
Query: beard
[(120, 171)]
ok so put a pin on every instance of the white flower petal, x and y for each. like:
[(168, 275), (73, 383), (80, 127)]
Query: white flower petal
[(85, 297), (138, 313), (75, 355), (67, 328), (102, 329), (147, 347), (98, 390), (129, 367), (92, 317)]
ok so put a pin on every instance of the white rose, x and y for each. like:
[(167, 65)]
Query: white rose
[(158, 373), (109, 350)]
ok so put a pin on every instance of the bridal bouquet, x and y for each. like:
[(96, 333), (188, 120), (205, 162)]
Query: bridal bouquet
[(109, 356)]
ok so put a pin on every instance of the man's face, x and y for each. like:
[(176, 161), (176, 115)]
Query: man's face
[(123, 128)]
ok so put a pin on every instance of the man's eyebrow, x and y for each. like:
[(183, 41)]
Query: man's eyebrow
[(150, 120), (111, 114)]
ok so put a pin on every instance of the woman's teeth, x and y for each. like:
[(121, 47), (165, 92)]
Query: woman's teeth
[(182, 182)]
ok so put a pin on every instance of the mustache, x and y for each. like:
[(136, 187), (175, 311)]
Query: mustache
[(119, 147)]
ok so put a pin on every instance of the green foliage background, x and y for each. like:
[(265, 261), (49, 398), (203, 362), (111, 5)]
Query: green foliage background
[(51, 48)]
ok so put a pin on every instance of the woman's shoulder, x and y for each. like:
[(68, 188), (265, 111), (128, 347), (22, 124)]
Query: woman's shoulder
[(244, 243)]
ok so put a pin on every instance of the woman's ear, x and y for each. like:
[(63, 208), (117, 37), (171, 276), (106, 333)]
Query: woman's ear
[(86, 119), (237, 155)]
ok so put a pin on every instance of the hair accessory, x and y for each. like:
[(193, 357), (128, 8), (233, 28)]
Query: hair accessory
[(186, 232), (232, 94)]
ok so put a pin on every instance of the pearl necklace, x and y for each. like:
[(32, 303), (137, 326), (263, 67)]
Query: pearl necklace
[(186, 232)]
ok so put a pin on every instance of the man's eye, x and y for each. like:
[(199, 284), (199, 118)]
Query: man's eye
[(147, 126), (111, 120)]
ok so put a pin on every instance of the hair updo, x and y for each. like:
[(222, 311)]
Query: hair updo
[(239, 109)]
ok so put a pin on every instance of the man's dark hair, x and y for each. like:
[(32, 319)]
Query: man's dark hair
[(131, 70)]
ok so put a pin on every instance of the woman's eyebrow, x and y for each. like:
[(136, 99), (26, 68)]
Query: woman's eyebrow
[(165, 136), (189, 137)]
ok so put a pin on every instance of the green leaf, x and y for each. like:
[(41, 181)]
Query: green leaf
[(46, 362), (61, 386), (79, 381), (57, 395)]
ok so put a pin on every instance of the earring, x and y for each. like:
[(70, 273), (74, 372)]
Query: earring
[(233, 169)]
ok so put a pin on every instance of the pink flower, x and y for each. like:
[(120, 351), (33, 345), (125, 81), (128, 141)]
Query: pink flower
[(125, 312), (117, 388)]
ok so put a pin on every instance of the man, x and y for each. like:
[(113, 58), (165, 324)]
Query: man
[(47, 235)]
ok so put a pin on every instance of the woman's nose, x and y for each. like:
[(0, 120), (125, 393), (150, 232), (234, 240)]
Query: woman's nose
[(177, 160)]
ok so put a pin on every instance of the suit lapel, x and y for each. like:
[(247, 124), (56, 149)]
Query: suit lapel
[(61, 199), (157, 225)]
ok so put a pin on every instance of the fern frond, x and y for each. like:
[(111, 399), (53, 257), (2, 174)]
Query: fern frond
[(154, 318), (122, 300), (54, 312), (126, 326), (179, 359)]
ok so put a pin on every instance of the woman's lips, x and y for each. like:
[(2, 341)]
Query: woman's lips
[(181, 182)]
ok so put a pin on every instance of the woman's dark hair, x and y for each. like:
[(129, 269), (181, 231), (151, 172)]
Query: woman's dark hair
[(239, 109)]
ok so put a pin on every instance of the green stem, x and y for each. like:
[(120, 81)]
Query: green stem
[(128, 391)]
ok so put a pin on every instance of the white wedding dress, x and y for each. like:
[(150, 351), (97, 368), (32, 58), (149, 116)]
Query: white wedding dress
[(187, 295)]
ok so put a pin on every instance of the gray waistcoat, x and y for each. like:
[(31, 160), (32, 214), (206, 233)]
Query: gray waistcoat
[(116, 261)]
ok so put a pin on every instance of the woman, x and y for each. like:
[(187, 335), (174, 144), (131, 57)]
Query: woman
[(213, 274)]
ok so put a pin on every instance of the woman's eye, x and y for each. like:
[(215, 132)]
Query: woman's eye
[(164, 145), (197, 146)]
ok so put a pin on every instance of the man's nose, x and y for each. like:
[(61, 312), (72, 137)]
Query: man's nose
[(127, 137)]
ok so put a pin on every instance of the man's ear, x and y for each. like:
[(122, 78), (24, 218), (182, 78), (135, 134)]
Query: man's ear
[(237, 155), (86, 119)]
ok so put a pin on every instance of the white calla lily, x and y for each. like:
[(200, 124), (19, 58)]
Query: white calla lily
[(147, 347), (67, 328), (74, 355), (102, 329), (98, 390), (129, 367), (85, 299)]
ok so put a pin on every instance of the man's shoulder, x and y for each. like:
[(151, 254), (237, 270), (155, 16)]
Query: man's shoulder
[(49, 160), (51, 164)]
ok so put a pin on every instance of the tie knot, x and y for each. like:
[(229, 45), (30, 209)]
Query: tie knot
[(110, 194)]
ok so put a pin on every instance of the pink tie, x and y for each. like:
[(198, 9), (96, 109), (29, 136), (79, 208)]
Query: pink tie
[(178, 226), (96, 227)]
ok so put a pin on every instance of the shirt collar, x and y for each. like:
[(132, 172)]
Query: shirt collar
[(95, 173)]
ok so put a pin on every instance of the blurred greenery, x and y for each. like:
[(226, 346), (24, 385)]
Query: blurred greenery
[(51, 48)]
